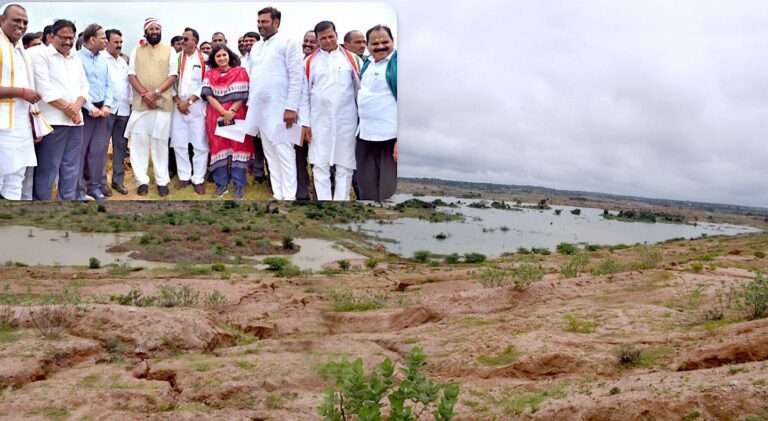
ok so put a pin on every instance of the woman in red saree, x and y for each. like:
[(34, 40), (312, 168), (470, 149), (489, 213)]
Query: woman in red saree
[(225, 87)]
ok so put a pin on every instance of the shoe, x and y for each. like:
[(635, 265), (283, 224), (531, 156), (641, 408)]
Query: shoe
[(199, 188), (182, 183), (163, 191), (259, 179), (143, 190), (105, 190), (120, 188), (97, 195), (221, 191), (238, 193)]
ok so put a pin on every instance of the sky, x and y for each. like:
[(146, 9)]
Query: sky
[(653, 98)]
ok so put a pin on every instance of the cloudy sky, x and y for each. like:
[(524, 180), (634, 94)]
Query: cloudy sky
[(653, 98)]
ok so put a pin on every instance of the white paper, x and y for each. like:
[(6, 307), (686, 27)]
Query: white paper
[(286, 135), (235, 131)]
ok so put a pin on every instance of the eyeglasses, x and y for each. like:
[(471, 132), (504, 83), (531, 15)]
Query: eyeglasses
[(185, 39), (65, 38)]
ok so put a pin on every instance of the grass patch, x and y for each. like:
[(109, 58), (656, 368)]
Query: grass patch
[(576, 325), (504, 357), (346, 300)]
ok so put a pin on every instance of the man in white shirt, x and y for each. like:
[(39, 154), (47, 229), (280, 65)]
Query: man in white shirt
[(122, 94), (332, 80), (17, 92), (376, 152), (259, 176), (63, 86), (275, 91), (188, 121), (151, 72), (354, 41)]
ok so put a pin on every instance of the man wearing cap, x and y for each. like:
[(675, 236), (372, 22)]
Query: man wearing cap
[(151, 72), (17, 92)]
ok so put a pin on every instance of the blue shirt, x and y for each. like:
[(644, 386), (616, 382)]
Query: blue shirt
[(97, 72)]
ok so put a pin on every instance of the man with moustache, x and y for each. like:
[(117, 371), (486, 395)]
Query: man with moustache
[(63, 86), (205, 48), (122, 94), (17, 92), (32, 39), (354, 41), (96, 112), (333, 77), (275, 91), (376, 150), (308, 46), (176, 43), (218, 38), (188, 121), (151, 72), (241, 46)]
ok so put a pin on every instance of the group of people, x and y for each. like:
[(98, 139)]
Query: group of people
[(272, 108)]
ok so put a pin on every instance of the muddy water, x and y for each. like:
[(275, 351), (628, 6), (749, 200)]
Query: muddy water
[(493, 232), (35, 246)]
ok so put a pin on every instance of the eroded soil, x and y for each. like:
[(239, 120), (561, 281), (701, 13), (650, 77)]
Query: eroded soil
[(550, 352)]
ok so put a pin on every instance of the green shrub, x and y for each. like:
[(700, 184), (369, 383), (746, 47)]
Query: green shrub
[(451, 259), (119, 269), (753, 297), (343, 264), (504, 357), (218, 267), (359, 396), (276, 263), (760, 255), (134, 298), (520, 278), (94, 263), (607, 267), (575, 265), (650, 257), (371, 263), (421, 256), (288, 243), (188, 269), (474, 258), (576, 325), (629, 356), (566, 248), (697, 267), (176, 296), (215, 300), (346, 300)]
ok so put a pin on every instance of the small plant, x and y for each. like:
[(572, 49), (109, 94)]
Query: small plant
[(504, 357), (566, 248), (133, 298), (451, 259), (607, 267), (650, 257), (760, 255), (121, 269), (215, 300), (697, 267), (520, 278), (753, 297), (360, 395), (54, 316), (474, 258), (576, 325), (94, 263), (629, 356), (371, 263), (343, 264), (176, 296), (288, 243), (346, 300), (276, 263), (614, 391), (441, 236), (218, 267), (421, 256), (576, 265), (693, 415)]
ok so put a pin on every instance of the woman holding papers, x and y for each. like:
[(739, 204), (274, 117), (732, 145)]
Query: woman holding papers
[(225, 87)]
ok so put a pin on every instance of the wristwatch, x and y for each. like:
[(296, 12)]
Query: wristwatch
[(190, 102), (157, 91)]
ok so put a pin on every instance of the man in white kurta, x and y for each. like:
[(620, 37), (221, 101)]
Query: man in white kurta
[(150, 123), (275, 92), (188, 120), (17, 151), (332, 81)]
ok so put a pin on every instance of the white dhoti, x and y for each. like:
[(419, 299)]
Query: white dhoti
[(10, 184), (17, 152), (149, 131), (190, 130)]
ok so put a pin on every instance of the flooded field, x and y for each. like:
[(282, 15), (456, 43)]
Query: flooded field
[(495, 231)]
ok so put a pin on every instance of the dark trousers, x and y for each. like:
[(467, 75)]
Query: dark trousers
[(376, 169), (223, 174), (258, 162), (116, 130), (58, 154), (171, 160), (93, 154), (302, 173)]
